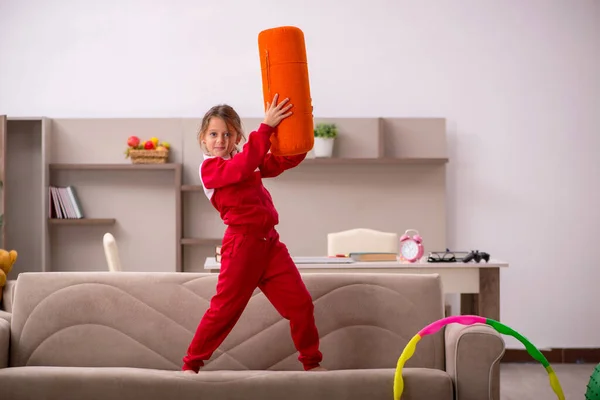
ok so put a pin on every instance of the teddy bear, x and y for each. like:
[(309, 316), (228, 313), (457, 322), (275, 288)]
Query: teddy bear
[(7, 260)]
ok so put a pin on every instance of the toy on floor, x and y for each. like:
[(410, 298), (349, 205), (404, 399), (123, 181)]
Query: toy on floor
[(7, 260), (593, 387), (284, 71), (470, 320)]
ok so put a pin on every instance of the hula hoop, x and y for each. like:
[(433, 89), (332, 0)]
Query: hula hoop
[(432, 328)]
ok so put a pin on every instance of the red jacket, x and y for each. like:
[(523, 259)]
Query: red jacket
[(234, 185)]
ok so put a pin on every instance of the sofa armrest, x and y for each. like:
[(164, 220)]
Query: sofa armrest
[(5, 315), (473, 354), (4, 342)]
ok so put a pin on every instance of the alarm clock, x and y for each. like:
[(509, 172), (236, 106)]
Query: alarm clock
[(411, 247)]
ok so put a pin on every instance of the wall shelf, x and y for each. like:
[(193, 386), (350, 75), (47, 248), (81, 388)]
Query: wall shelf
[(353, 161), (200, 242), (115, 167), (191, 188), (374, 161), (82, 221)]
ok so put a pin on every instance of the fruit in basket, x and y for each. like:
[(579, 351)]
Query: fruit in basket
[(133, 141), (134, 144)]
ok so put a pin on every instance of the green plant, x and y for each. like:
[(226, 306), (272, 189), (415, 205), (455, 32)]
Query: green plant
[(593, 387), (324, 130)]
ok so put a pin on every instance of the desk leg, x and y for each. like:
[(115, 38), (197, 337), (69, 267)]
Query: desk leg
[(489, 293), (468, 304), (486, 304)]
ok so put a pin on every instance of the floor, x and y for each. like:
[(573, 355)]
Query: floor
[(530, 381)]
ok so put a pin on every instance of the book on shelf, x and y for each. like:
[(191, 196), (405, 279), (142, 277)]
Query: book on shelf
[(63, 203)]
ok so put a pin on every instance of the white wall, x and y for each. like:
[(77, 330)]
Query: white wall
[(518, 81)]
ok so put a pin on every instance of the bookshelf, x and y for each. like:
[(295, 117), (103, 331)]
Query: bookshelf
[(106, 172), (82, 221), (158, 212)]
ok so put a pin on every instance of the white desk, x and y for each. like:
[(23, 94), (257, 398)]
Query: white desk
[(478, 283)]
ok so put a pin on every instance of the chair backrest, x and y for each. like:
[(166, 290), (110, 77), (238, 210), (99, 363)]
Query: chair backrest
[(111, 251), (362, 240), (147, 320)]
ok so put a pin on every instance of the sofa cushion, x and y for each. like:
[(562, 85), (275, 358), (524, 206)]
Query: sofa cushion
[(147, 320), (130, 383)]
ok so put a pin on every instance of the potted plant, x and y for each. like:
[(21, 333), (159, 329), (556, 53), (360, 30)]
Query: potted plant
[(325, 135)]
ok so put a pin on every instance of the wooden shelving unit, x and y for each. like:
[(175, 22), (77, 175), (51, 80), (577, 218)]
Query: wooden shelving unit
[(50, 150), (82, 221)]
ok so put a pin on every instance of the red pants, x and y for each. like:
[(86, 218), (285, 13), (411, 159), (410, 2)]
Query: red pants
[(251, 259)]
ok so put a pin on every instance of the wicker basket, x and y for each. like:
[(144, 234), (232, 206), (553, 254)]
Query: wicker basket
[(149, 156)]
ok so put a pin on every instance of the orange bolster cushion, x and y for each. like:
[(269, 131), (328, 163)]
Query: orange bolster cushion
[(285, 71)]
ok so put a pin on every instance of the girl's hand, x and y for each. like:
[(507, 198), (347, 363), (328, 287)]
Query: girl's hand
[(276, 112)]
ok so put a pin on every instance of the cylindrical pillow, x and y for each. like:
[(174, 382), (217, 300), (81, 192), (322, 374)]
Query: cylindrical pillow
[(285, 71)]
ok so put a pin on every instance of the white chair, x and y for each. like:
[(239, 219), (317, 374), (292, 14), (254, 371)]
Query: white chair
[(112, 253), (362, 240)]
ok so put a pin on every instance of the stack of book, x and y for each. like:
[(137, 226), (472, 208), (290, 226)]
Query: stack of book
[(339, 259), (63, 203), (373, 257)]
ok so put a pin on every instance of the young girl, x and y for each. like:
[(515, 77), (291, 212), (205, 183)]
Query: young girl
[(251, 253)]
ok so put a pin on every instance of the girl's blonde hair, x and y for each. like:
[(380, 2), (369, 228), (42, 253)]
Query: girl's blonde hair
[(231, 119)]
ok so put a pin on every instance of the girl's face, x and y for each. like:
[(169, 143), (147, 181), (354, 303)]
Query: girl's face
[(219, 140)]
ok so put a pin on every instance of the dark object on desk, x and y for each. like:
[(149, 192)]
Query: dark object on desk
[(477, 256), (441, 257)]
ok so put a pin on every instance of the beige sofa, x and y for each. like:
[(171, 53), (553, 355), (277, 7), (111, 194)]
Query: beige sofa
[(102, 335)]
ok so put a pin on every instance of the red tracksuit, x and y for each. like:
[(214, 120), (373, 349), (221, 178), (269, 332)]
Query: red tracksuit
[(251, 253)]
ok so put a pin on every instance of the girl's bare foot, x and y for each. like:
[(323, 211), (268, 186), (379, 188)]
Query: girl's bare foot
[(317, 369), (189, 371)]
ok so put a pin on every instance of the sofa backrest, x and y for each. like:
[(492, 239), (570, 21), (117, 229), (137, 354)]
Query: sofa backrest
[(146, 320)]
